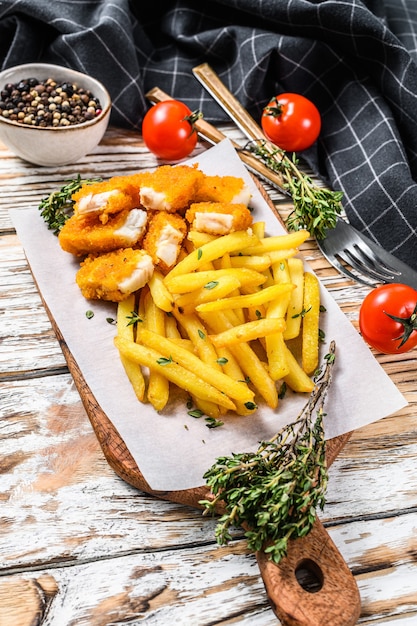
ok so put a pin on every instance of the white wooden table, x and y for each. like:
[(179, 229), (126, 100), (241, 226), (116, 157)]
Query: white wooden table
[(79, 546)]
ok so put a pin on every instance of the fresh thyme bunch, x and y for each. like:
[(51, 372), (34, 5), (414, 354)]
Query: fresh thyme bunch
[(274, 492), (315, 208), (57, 207)]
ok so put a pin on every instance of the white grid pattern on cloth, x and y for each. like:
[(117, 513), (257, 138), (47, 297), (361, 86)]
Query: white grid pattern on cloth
[(356, 60)]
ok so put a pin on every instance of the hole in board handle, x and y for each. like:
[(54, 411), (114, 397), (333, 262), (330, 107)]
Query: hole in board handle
[(309, 576)]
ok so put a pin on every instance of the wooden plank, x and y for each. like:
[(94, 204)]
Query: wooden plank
[(62, 499)]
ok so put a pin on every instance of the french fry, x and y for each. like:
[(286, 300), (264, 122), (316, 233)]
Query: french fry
[(172, 332), (212, 290), (125, 331), (295, 306), (278, 242), (297, 379), (258, 229), (196, 280), (158, 384), (210, 374), (277, 355), (231, 367), (248, 360), (212, 250), (160, 294), (197, 332), (257, 262), (183, 378), (198, 239), (310, 327), (248, 332), (249, 300)]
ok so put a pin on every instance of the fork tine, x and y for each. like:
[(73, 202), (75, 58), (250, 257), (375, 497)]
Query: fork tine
[(360, 262), (333, 260), (359, 258), (365, 260)]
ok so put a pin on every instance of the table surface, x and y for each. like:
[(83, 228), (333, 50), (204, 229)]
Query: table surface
[(81, 546)]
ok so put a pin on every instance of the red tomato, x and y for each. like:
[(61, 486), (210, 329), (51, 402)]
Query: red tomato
[(168, 130), (388, 318), (291, 121)]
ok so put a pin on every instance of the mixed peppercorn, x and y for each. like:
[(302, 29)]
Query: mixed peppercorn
[(47, 103)]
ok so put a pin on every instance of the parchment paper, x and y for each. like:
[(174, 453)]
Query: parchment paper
[(172, 449)]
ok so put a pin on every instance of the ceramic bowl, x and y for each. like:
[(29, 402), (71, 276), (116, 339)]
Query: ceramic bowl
[(54, 146)]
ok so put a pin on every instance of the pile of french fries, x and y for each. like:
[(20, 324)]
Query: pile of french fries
[(234, 319)]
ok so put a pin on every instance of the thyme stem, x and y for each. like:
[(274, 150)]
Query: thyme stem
[(273, 493), (58, 206), (315, 208)]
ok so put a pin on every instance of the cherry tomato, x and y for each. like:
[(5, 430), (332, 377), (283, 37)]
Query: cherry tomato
[(291, 121), (168, 130), (388, 318)]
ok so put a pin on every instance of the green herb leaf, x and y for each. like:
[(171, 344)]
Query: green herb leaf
[(275, 491), (164, 360), (133, 318), (315, 208), (222, 360), (212, 422), (57, 208)]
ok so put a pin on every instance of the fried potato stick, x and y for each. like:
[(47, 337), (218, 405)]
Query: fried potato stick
[(249, 331), (278, 242), (158, 384), (295, 306), (196, 280), (211, 251), (212, 290), (247, 359), (183, 378), (310, 327), (297, 379), (232, 388), (160, 294), (249, 300), (125, 331)]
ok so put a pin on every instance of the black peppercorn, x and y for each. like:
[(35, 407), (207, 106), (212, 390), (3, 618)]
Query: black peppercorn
[(47, 103)]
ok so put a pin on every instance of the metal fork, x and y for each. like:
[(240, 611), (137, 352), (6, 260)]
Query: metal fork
[(362, 260), (350, 252)]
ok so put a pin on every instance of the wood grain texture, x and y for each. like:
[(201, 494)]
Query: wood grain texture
[(81, 546)]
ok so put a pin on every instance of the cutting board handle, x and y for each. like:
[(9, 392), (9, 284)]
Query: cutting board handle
[(312, 585)]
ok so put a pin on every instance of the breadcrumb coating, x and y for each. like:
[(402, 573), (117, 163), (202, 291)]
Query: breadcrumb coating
[(164, 238), (115, 275), (229, 189), (169, 188), (217, 218), (82, 235), (119, 193)]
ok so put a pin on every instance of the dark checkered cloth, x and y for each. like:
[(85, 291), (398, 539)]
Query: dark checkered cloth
[(356, 60)]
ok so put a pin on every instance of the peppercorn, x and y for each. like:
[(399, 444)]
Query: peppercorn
[(47, 103)]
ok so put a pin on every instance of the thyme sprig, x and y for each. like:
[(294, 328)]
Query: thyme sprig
[(58, 206), (315, 208), (274, 492)]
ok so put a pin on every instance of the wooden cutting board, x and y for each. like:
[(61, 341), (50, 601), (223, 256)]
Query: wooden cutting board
[(311, 586)]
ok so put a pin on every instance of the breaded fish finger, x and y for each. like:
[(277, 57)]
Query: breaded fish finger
[(164, 238), (82, 235), (169, 188), (217, 218), (115, 275), (229, 189)]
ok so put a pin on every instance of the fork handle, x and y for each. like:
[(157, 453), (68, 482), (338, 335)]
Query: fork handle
[(210, 80)]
